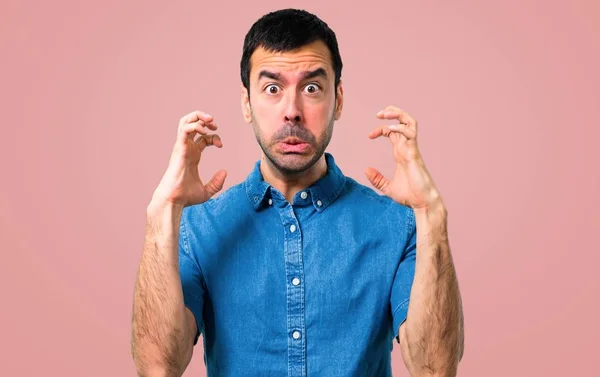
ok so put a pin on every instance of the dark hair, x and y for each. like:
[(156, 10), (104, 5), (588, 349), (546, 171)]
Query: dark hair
[(286, 30)]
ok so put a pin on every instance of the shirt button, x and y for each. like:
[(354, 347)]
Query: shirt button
[(319, 203), (303, 195), (296, 334), (292, 228), (295, 281), (270, 201)]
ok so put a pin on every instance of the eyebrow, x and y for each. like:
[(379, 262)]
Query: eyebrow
[(319, 72)]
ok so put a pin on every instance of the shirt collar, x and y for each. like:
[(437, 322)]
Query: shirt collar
[(323, 192)]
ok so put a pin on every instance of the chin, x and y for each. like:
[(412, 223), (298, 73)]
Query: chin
[(293, 162)]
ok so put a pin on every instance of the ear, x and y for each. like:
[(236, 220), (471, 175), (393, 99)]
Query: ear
[(246, 112), (339, 101)]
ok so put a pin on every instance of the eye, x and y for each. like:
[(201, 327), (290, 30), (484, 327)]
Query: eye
[(272, 89), (312, 88)]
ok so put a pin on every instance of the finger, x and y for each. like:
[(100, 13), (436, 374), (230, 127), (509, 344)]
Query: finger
[(377, 179), (208, 140), (381, 131), (216, 183), (389, 108), (189, 131), (195, 116), (392, 112), (210, 125), (407, 131)]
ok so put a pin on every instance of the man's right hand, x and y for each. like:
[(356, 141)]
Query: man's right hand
[(181, 184)]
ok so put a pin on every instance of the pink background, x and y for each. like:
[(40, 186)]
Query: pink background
[(506, 93)]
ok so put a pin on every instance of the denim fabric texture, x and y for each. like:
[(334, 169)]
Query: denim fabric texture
[(314, 288)]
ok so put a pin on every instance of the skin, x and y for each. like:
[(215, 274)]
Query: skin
[(163, 329), (292, 105), (432, 337)]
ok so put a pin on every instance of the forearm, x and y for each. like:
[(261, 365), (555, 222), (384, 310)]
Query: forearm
[(159, 331), (434, 326)]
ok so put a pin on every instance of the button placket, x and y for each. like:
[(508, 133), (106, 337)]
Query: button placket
[(295, 292)]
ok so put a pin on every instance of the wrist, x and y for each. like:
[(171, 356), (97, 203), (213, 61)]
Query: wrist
[(160, 205), (163, 218), (434, 207), (434, 214), (158, 208)]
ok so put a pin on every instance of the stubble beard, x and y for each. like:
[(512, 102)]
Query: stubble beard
[(293, 164)]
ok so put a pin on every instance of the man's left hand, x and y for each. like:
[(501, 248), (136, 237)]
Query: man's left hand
[(412, 184)]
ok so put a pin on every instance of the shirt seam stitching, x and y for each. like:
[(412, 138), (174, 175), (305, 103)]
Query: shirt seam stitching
[(188, 251)]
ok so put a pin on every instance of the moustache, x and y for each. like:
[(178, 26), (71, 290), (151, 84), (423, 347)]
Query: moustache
[(294, 130)]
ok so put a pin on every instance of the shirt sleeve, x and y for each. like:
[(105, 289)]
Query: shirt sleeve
[(192, 281), (405, 274)]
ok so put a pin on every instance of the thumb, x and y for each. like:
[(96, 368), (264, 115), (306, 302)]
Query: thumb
[(216, 182), (377, 179)]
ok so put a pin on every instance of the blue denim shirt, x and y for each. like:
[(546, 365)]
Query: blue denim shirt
[(314, 288)]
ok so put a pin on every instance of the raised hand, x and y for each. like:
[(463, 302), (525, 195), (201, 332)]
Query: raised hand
[(412, 184), (181, 184)]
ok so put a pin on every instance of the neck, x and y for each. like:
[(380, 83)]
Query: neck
[(290, 184)]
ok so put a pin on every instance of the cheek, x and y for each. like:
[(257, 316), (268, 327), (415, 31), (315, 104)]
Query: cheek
[(266, 118), (318, 115), (263, 110)]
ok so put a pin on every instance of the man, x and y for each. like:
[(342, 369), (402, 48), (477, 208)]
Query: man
[(298, 270)]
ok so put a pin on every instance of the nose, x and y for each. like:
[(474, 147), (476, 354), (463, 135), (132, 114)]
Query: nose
[(293, 109)]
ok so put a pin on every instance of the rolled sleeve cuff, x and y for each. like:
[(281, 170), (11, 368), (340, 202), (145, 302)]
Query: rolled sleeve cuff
[(195, 306), (399, 316)]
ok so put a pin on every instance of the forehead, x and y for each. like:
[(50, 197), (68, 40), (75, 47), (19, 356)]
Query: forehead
[(308, 57)]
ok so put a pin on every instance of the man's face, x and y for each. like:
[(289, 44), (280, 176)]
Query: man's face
[(292, 104)]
